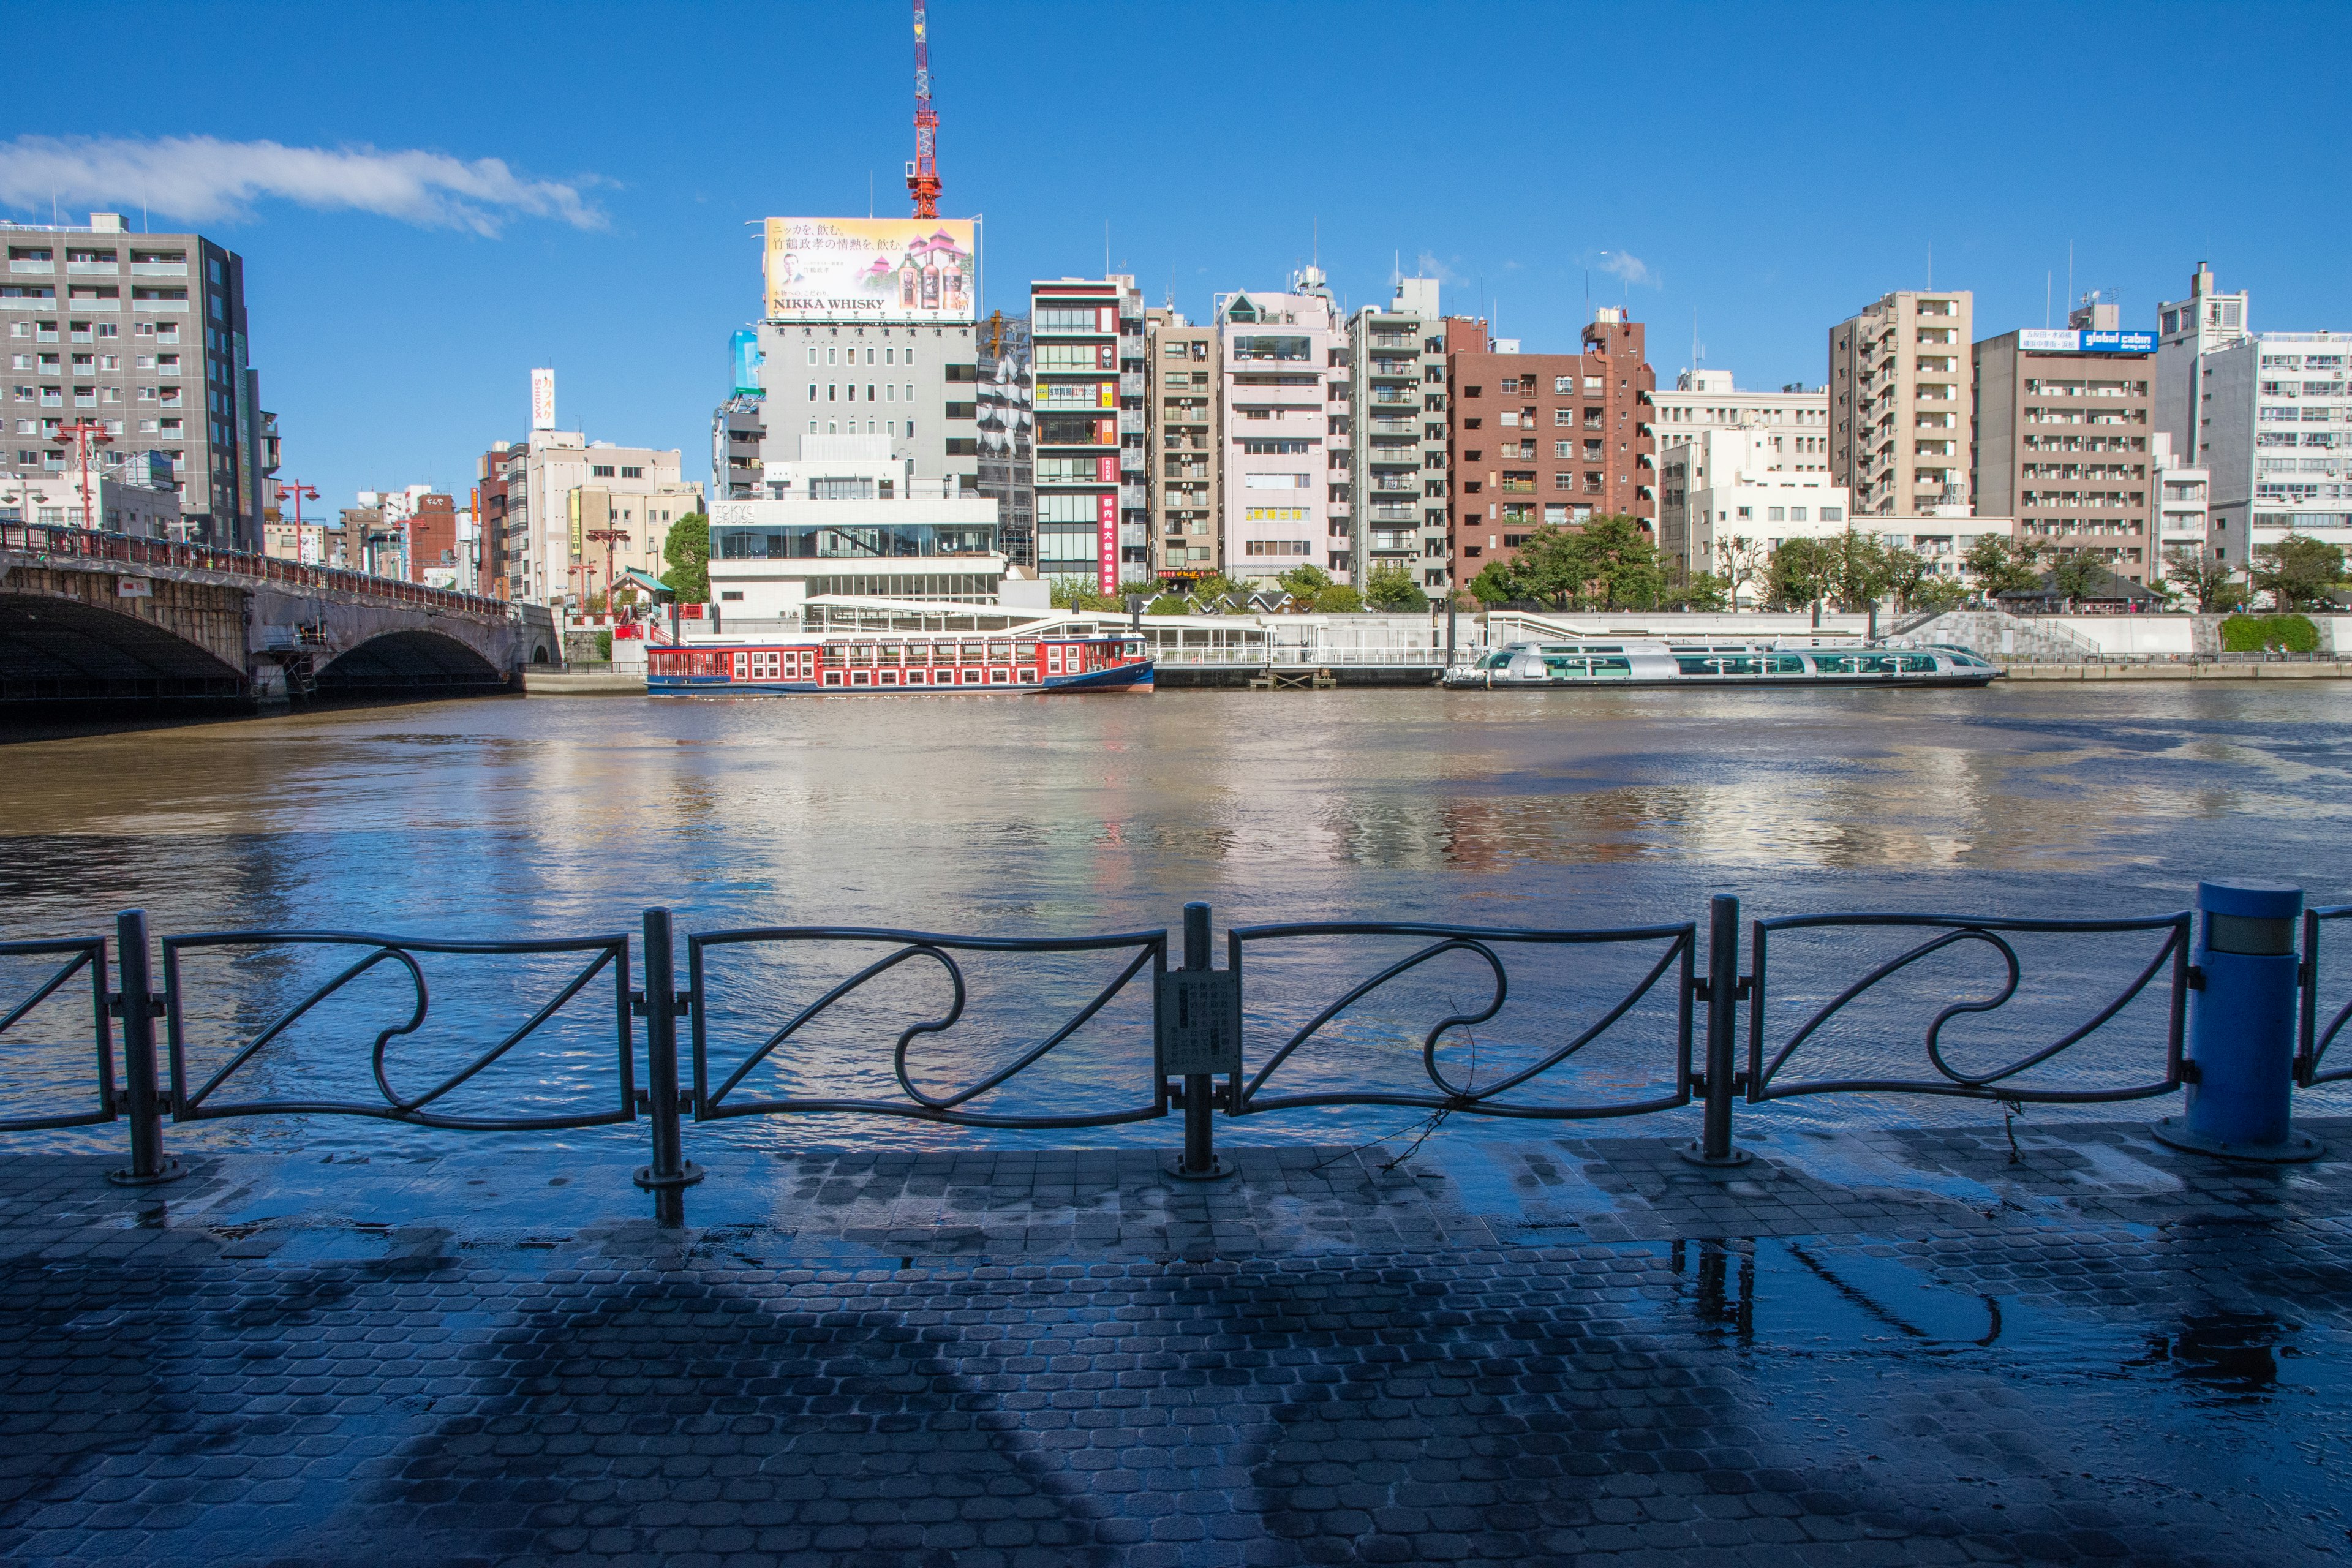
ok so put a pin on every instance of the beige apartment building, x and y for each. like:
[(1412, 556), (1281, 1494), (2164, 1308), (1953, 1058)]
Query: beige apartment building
[(2064, 417), (1180, 405), (1901, 427)]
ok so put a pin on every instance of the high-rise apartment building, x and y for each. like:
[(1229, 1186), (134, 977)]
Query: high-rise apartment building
[(2063, 418), (1007, 423), (1181, 384), (501, 512), (1545, 439), (1790, 436), (2267, 415), (145, 335), (1276, 355), (2184, 499), (1084, 334), (1394, 435), (1900, 417)]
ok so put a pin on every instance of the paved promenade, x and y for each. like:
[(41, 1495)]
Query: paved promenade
[(1900, 1347)]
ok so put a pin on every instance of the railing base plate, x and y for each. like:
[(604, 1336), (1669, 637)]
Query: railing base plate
[(1697, 1154), (126, 1177), (688, 1174), (1219, 1169), (2173, 1133)]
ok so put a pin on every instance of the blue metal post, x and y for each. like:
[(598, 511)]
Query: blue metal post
[(1715, 1146), (2242, 1027)]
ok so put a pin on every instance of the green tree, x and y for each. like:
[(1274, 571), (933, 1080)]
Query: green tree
[(1080, 594), (1620, 565), (1908, 572), (1936, 595), (1801, 573), (1391, 588), (1496, 585), (2078, 574), (2297, 572), (2204, 578), (2001, 565), (1704, 592), (1550, 569), (1859, 572), (1302, 584), (687, 552), (1338, 599), (1169, 605)]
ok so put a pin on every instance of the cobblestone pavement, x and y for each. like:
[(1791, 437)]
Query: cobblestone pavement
[(1896, 1347)]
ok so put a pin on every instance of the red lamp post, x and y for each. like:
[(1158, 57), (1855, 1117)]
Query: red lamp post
[(86, 434), (298, 490)]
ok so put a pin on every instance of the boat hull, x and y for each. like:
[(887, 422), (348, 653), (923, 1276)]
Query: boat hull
[(1126, 678)]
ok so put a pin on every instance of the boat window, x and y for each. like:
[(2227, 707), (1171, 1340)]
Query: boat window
[(1694, 664), (1024, 651), (887, 653), (1918, 663), (1612, 666), (971, 653), (1876, 663), (861, 653), (1833, 663), (1000, 653), (1785, 664), (1501, 661), (1559, 667), (833, 677)]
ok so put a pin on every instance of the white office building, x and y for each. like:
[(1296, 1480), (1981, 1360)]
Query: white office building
[(2266, 414), (850, 517), (1276, 352), (2184, 494), (1782, 432)]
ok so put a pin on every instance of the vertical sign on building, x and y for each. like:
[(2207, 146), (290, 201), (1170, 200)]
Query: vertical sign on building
[(542, 400), (1107, 540)]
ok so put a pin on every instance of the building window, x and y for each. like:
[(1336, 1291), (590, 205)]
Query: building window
[(633, 473)]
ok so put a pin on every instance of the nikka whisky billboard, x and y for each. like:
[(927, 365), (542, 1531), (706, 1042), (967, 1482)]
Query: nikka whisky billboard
[(872, 268)]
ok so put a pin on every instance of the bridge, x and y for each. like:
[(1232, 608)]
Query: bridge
[(87, 617)]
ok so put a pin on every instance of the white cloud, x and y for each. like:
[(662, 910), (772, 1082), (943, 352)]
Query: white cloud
[(1624, 264), (202, 179), (1427, 265)]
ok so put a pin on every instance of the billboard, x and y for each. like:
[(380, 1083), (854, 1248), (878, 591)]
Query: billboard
[(1106, 541), (743, 348), (542, 400), (2070, 340), (872, 268)]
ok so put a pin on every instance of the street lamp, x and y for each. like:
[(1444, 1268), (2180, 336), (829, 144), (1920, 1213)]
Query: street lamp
[(86, 434), (298, 490)]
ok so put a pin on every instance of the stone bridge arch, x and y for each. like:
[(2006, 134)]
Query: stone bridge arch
[(55, 649), (409, 661)]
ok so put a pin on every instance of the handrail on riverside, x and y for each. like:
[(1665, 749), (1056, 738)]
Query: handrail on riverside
[(43, 540), (1199, 1030)]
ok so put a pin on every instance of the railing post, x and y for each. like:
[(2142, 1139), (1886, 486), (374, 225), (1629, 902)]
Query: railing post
[(1714, 1146), (670, 1168), (2242, 1029), (137, 1006), (1199, 1161)]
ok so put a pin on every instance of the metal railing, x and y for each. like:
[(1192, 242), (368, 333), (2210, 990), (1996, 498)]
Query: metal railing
[(50, 541), (1643, 1015), (1995, 1082), (2310, 1040)]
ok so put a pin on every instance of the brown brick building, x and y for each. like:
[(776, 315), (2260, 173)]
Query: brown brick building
[(1537, 438)]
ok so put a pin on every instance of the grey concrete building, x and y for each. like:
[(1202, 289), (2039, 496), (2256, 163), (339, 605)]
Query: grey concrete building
[(915, 385), (144, 335), (1392, 440), (1183, 413), (2063, 418), (1900, 418)]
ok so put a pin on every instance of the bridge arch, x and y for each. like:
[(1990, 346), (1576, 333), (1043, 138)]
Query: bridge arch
[(408, 661), (63, 649)]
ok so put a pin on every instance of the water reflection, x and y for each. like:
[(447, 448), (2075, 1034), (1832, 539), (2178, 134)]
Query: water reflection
[(964, 814)]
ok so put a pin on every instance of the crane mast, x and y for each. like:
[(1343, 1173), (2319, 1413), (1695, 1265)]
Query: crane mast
[(923, 172)]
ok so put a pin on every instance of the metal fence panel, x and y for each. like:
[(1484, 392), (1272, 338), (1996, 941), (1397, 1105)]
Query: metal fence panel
[(79, 954), (2313, 1039)]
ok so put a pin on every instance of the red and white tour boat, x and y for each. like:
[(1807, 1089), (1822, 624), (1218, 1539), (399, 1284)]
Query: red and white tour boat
[(875, 663)]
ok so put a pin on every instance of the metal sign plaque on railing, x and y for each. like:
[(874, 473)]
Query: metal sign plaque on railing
[(1200, 1023)]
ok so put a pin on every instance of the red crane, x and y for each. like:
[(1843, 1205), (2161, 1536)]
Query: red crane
[(923, 171)]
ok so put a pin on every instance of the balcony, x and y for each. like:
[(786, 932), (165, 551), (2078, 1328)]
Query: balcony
[(100, 269), (1390, 512), (1131, 383), (1392, 394), (159, 269), (179, 305), (37, 269), (1396, 456)]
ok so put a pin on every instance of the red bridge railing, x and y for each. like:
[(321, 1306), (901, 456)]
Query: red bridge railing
[(46, 541)]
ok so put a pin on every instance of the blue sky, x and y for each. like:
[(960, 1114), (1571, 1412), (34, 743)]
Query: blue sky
[(1769, 168)]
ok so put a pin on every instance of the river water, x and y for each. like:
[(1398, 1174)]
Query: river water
[(493, 819)]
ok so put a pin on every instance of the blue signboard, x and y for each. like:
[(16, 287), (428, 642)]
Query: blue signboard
[(744, 349), (2119, 342)]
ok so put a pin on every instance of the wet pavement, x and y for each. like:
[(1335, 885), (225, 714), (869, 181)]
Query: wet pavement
[(1866, 1347)]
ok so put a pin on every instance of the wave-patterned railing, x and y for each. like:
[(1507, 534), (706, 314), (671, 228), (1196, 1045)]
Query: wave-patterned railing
[(1657, 1017)]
